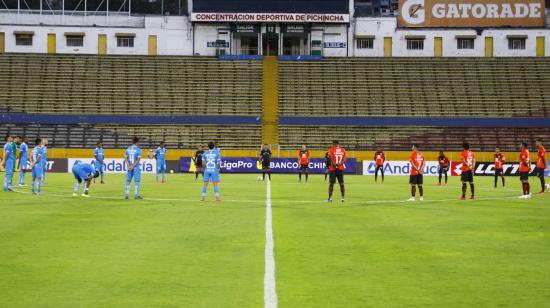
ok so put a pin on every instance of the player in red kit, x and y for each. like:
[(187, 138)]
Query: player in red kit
[(541, 164), (379, 160), (524, 169), (443, 166), (417, 173), (500, 159), (337, 156), (468, 164), (303, 161)]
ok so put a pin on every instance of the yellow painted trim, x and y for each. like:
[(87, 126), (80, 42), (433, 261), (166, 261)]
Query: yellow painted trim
[(270, 100), (488, 46), (438, 46), (52, 48), (152, 45), (359, 155), (2, 42), (388, 47), (102, 44), (540, 46)]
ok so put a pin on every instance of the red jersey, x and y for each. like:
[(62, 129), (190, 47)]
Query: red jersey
[(304, 157), (541, 159), (379, 158), (417, 160), (443, 161), (524, 161), (337, 155), (500, 159), (468, 159)]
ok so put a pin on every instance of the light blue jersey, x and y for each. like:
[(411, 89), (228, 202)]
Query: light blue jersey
[(24, 155), (133, 154), (9, 165), (37, 156), (99, 154), (160, 155), (211, 159), (82, 171), (45, 156)]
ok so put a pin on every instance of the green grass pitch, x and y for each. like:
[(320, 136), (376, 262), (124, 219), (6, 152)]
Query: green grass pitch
[(373, 251)]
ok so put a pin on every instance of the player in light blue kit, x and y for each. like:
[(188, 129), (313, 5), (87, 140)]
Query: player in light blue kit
[(37, 164), (211, 162), (132, 159), (99, 155), (160, 156), (83, 172), (45, 154), (23, 158), (8, 162)]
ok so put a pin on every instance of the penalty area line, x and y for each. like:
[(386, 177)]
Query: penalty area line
[(270, 294)]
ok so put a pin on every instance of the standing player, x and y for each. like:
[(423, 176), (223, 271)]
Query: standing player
[(160, 156), (23, 159), (212, 160), (327, 165), (83, 172), (417, 173), (524, 169), (443, 167), (132, 159), (500, 159), (37, 165), (379, 160), (8, 162), (468, 163), (541, 164), (337, 156), (45, 152), (303, 161), (265, 159), (199, 168), (99, 162)]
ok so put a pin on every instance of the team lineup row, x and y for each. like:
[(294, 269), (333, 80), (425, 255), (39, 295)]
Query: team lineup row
[(208, 164)]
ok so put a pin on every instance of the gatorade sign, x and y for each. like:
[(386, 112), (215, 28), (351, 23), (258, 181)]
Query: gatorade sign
[(471, 13)]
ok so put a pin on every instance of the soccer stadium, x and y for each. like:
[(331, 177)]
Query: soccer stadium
[(274, 153)]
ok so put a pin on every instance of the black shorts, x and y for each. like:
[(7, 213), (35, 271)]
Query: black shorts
[(416, 179), (524, 176), (303, 167), (443, 169), (199, 163), (499, 172), (467, 176), (379, 168), (336, 174), (265, 164), (539, 172)]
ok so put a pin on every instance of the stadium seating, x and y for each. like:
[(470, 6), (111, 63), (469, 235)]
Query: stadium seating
[(400, 138), (500, 87), (88, 84)]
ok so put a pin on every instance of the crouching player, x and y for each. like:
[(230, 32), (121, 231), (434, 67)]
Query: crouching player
[(212, 161), (83, 173)]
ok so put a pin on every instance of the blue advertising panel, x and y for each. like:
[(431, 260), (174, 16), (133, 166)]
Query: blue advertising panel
[(278, 165)]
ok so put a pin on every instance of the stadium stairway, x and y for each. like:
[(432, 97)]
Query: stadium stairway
[(270, 101)]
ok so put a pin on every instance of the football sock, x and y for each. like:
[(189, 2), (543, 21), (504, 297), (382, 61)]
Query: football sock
[(164, 176), (102, 176), (446, 178), (342, 190), (196, 175), (496, 180), (217, 191), (127, 188), (76, 187), (527, 188), (22, 178), (307, 175), (32, 185), (326, 174), (38, 188), (421, 190), (464, 188), (502, 177), (204, 191), (440, 176), (413, 191), (136, 189), (542, 183), (300, 176), (330, 189), (472, 188), (85, 186), (269, 175), (263, 176)]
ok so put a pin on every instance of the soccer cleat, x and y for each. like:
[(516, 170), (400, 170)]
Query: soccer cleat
[(462, 198), (522, 197), (472, 198), (421, 198), (343, 200), (21, 185), (218, 200), (541, 193), (411, 199), (438, 184), (528, 196), (102, 182), (126, 197), (328, 200), (138, 198), (85, 195), (75, 195)]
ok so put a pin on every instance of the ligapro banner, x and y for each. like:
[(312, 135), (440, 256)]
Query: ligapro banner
[(400, 168), (117, 165), (278, 165), (471, 13)]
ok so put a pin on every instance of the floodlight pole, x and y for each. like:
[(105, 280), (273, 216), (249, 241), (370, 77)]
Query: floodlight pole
[(129, 7)]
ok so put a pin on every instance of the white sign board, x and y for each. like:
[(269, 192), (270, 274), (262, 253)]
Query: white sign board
[(400, 168), (117, 165)]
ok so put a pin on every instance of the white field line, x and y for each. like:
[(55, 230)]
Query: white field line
[(270, 294)]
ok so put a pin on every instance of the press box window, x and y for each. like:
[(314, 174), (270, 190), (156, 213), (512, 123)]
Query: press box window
[(516, 43), (125, 41), (23, 39), (465, 43), (365, 43), (75, 40), (415, 44)]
